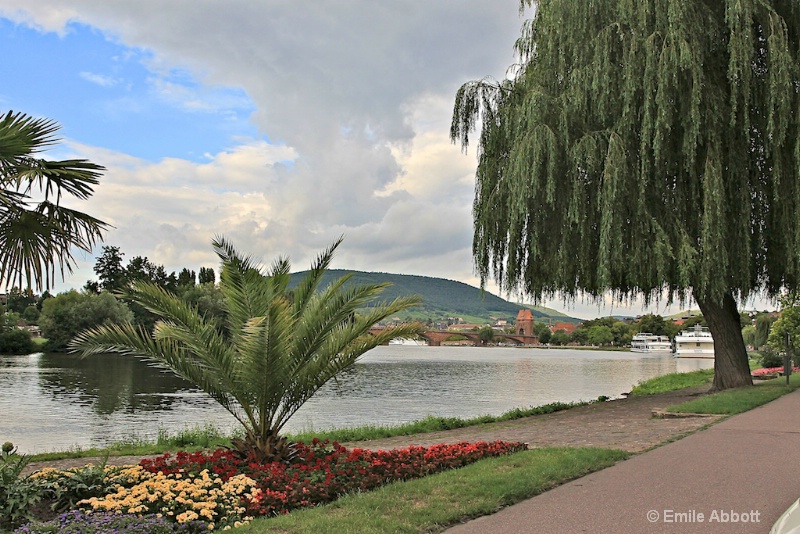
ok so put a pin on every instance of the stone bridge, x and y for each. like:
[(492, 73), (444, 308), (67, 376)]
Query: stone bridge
[(435, 337)]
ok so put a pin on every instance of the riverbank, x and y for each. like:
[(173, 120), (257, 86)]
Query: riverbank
[(624, 424), (57, 402)]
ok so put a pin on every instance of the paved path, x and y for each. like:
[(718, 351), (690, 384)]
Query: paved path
[(746, 465), (626, 424)]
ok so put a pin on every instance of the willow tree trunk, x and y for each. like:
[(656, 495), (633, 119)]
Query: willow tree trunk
[(731, 369)]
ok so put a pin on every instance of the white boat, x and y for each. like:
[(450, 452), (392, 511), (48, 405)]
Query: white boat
[(407, 341), (694, 343), (647, 342)]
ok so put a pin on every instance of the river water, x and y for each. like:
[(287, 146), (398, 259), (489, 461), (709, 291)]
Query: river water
[(56, 401)]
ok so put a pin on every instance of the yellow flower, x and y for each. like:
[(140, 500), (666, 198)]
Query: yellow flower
[(186, 516)]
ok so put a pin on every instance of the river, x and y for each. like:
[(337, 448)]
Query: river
[(57, 401)]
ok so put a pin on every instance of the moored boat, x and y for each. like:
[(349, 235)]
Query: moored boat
[(406, 341), (694, 343), (647, 342)]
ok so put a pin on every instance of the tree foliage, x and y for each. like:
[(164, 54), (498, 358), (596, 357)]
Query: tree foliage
[(786, 328), (560, 338), (278, 347), (764, 324), (109, 269), (14, 340), (600, 335), (646, 148), (67, 314), (17, 300), (206, 276), (187, 278)]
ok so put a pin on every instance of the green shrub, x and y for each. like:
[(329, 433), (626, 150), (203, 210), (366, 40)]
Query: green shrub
[(63, 489), (769, 357), (17, 493), (16, 341)]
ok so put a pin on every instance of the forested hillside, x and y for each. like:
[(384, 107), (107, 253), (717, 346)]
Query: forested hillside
[(442, 298)]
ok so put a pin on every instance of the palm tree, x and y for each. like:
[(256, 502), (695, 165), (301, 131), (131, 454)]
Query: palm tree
[(278, 348), (37, 233)]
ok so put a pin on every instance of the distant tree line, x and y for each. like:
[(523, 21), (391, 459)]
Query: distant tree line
[(101, 301), (62, 316)]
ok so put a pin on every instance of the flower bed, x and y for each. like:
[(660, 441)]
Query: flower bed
[(326, 471), (210, 491), (772, 371)]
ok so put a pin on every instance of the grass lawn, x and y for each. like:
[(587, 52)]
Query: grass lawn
[(673, 382), (739, 400)]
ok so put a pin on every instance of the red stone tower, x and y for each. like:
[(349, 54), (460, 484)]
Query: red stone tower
[(524, 324)]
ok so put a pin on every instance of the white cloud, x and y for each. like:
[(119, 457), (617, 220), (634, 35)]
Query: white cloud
[(99, 79)]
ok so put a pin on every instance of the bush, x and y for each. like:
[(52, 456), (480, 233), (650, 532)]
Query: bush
[(64, 489), (16, 341), (17, 494), (769, 357)]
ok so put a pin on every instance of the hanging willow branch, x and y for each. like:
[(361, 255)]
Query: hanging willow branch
[(644, 147)]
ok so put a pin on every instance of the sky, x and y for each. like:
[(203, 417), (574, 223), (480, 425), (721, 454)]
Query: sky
[(278, 126)]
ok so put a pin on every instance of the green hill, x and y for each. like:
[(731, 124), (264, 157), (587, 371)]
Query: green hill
[(556, 315), (442, 298)]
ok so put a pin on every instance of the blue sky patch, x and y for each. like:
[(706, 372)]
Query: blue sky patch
[(103, 93)]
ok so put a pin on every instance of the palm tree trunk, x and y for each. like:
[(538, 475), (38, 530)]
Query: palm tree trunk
[(731, 368), (265, 448)]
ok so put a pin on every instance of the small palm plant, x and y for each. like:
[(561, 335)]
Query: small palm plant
[(278, 348)]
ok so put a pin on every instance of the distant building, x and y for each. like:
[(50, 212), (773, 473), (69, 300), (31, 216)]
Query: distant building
[(524, 324), (566, 327)]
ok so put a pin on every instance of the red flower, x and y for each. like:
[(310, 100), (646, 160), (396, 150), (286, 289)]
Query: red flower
[(328, 470)]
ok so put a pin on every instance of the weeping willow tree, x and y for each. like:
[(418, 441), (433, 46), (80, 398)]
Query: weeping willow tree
[(647, 148)]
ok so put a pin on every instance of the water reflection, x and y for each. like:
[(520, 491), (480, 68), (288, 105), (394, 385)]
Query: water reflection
[(54, 401), (110, 382)]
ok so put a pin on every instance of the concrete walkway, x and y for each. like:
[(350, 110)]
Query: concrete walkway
[(737, 476)]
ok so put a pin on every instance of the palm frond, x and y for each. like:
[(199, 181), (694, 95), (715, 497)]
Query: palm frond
[(21, 135), (131, 340), (308, 286), (246, 289), (183, 322), (37, 237), (53, 178)]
